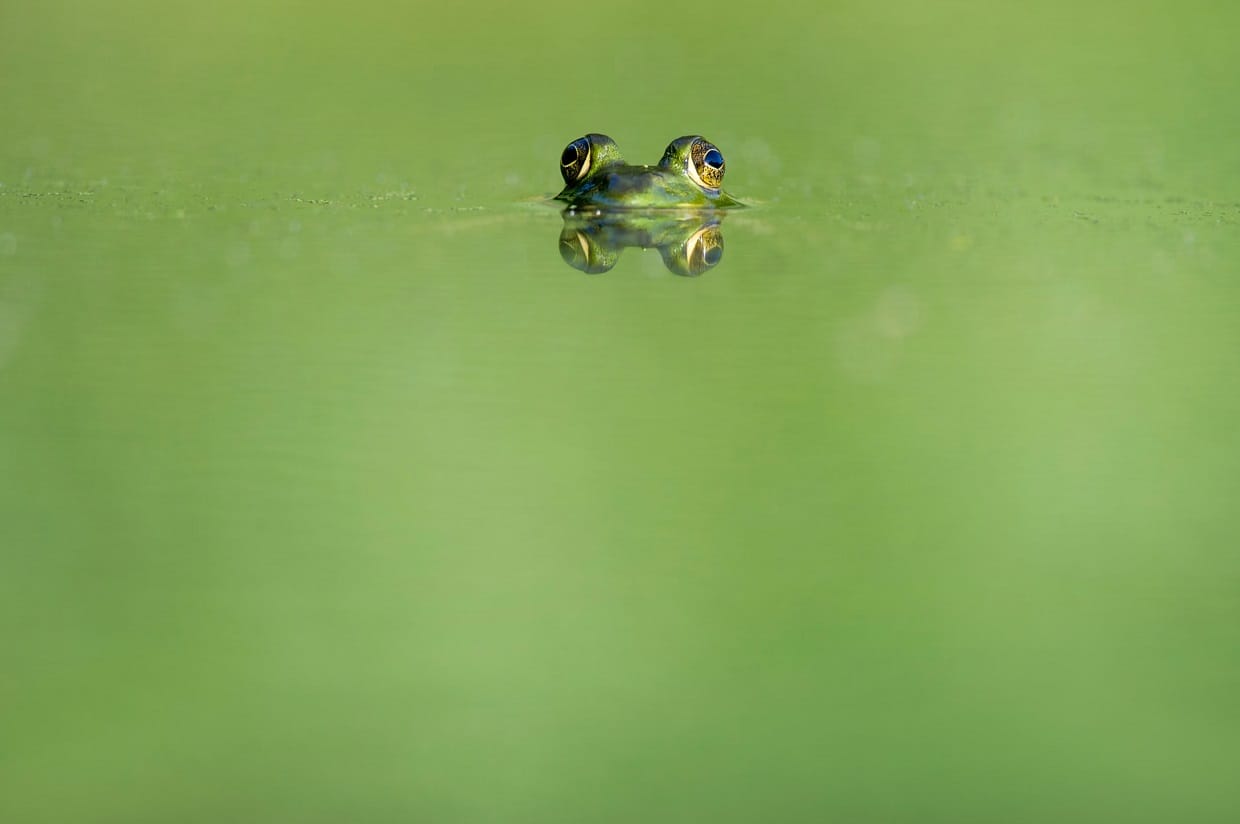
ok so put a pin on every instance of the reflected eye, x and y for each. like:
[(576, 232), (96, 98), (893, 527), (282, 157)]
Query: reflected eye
[(701, 251), (706, 164), (575, 161)]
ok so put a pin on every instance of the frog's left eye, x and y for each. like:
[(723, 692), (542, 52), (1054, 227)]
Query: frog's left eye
[(575, 161), (706, 164)]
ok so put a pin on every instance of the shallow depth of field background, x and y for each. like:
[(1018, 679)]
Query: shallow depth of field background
[(329, 493)]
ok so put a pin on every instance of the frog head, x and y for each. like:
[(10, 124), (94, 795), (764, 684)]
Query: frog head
[(689, 176)]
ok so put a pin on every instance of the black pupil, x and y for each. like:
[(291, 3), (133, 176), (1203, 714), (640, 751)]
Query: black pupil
[(712, 255), (570, 155), (714, 159)]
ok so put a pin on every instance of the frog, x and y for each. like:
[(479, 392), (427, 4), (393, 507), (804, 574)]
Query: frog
[(689, 176)]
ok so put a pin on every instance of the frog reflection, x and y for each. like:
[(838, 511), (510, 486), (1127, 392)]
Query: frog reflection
[(689, 243)]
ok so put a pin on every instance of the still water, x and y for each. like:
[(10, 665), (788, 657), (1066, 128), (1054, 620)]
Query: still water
[(344, 478)]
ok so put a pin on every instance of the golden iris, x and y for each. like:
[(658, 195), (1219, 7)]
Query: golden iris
[(575, 161), (708, 163)]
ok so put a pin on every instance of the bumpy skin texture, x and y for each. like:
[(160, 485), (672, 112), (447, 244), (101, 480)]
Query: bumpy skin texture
[(598, 178)]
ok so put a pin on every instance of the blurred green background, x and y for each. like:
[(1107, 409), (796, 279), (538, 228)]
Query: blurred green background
[(329, 493)]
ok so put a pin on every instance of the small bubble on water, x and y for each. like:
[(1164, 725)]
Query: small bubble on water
[(898, 313), (759, 154), (867, 150), (238, 255)]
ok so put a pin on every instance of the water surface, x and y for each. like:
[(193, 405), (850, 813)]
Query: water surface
[(330, 492)]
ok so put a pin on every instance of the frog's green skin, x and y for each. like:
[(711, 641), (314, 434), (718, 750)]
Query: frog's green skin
[(689, 244), (688, 177)]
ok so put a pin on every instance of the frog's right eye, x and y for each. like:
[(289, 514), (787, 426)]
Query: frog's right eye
[(575, 161), (705, 164)]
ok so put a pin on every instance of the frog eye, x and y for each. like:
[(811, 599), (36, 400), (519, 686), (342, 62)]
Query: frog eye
[(575, 161), (706, 164), (700, 251)]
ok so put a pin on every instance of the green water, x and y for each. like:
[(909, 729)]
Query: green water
[(328, 492)]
